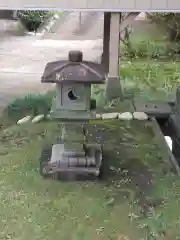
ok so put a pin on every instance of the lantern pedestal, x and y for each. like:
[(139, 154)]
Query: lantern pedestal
[(73, 155)]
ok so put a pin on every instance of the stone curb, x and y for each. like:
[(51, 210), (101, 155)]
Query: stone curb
[(124, 116), (45, 26)]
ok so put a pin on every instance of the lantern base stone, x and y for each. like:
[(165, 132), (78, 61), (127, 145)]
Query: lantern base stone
[(72, 164)]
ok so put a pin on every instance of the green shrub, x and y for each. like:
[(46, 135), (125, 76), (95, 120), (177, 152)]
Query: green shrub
[(32, 20), (29, 105)]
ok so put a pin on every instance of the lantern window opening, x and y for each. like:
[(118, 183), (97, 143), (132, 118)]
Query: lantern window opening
[(72, 95)]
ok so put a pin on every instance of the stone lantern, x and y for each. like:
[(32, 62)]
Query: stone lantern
[(72, 153)]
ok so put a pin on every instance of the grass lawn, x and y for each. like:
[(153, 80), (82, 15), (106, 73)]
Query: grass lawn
[(139, 199), (146, 80), (154, 71), (150, 79)]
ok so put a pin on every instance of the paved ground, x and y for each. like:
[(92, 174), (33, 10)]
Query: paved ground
[(23, 58)]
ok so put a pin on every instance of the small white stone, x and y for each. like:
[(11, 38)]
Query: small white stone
[(109, 116), (125, 116), (38, 118), (24, 120), (98, 116), (140, 116), (169, 142)]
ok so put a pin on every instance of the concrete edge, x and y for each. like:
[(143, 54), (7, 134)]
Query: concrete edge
[(45, 27)]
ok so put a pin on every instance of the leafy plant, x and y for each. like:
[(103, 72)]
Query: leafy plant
[(33, 19), (29, 105)]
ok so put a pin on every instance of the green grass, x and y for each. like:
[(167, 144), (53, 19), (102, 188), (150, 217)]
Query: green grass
[(150, 79), (146, 80), (150, 47), (153, 70), (117, 208)]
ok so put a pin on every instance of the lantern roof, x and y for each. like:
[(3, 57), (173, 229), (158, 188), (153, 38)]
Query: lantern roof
[(74, 70)]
